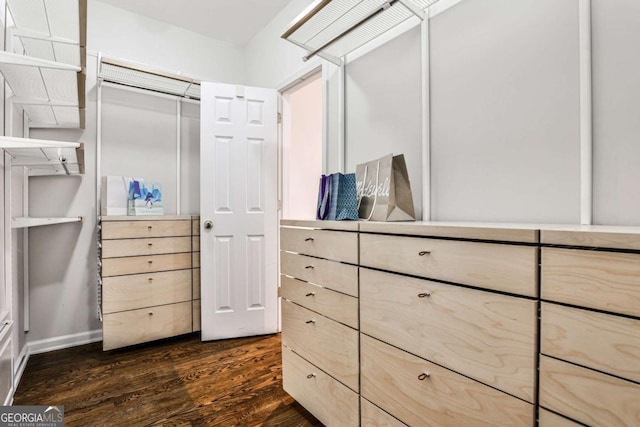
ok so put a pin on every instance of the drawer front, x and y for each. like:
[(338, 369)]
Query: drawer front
[(487, 336), (329, 401), (335, 245), (339, 307), (390, 378), (372, 416), (120, 293), (549, 419), (603, 280), (196, 315), (588, 396), (195, 259), (502, 267), (331, 346), (195, 243), (145, 264), (147, 324), (599, 341), (330, 274), (141, 229), (135, 247), (196, 283), (195, 226)]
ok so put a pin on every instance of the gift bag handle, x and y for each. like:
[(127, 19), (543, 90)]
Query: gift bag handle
[(375, 193)]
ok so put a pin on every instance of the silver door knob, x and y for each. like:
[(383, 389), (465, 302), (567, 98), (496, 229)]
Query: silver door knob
[(208, 224)]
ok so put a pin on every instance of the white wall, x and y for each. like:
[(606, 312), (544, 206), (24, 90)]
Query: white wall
[(384, 107), (121, 34), (616, 102), (505, 112)]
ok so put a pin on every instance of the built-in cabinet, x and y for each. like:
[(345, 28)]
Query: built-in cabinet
[(590, 327), (464, 324), (319, 290), (148, 278)]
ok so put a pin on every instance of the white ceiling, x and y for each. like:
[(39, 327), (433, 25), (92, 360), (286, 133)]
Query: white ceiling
[(234, 21)]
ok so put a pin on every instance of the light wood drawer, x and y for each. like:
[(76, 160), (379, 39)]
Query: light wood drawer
[(195, 226), (329, 401), (603, 280), (145, 264), (141, 229), (147, 324), (196, 283), (339, 307), (195, 243), (549, 419), (195, 259), (331, 346), (484, 335), (130, 292), (135, 247), (372, 416), (335, 245), (196, 315), (330, 274), (599, 341), (390, 378), (588, 396), (502, 267)]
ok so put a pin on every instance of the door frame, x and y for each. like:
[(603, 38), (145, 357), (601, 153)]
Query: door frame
[(310, 69)]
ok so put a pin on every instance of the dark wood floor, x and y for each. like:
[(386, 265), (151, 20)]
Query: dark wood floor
[(180, 382)]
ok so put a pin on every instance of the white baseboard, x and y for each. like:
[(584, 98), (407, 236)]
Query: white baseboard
[(65, 341), (20, 365)]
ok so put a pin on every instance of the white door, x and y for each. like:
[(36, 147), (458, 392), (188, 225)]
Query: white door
[(238, 195)]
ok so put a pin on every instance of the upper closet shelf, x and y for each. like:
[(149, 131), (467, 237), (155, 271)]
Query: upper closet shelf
[(46, 71), (25, 222), (333, 28), (43, 157)]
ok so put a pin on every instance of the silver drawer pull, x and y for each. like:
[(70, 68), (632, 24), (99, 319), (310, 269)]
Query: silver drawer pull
[(310, 321), (423, 253), (310, 294), (309, 239), (424, 376), (309, 266), (424, 294), (311, 375)]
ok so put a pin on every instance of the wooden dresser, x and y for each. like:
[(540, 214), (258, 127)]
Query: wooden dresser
[(590, 327), (319, 290), (148, 278), (448, 324)]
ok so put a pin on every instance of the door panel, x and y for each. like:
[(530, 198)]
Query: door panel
[(239, 197)]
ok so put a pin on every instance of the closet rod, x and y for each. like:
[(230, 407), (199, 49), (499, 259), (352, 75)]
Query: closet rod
[(367, 18)]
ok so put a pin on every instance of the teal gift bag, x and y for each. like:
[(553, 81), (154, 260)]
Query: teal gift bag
[(344, 197)]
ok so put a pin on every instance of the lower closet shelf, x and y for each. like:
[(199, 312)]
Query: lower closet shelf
[(25, 222)]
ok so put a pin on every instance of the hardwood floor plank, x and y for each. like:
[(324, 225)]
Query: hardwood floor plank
[(178, 382)]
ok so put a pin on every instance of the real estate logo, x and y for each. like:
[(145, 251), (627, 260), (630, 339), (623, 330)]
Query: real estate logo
[(32, 416)]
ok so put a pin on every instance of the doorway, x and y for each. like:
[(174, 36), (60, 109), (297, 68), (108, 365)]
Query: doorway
[(302, 146)]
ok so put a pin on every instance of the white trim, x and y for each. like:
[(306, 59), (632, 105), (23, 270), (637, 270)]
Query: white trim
[(19, 366), (26, 297), (586, 129), (426, 122), (65, 341), (310, 68), (325, 119), (178, 148), (99, 83), (342, 113)]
